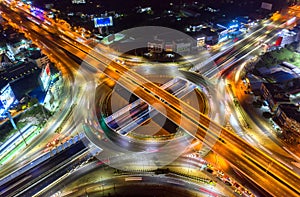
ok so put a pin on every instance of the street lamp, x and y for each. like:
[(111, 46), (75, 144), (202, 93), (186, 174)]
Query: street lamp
[(15, 126), (102, 189), (86, 193)]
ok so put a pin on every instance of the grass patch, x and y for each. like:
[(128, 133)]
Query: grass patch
[(34, 115), (275, 57)]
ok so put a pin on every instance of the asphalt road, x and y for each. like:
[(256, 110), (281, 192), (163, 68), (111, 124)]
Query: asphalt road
[(253, 163), (19, 185)]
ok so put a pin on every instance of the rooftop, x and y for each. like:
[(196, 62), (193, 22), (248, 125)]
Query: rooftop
[(18, 71), (291, 111), (277, 91)]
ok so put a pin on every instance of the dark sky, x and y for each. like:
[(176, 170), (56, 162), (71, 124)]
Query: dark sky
[(129, 4)]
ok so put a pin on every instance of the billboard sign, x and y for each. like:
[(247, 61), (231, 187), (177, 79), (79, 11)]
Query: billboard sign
[(278, 41), (45, 77), (2, 110), (103, 21), (267, 6), (7, 97)]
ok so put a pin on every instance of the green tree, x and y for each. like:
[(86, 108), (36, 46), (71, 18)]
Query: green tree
[(32, 102)]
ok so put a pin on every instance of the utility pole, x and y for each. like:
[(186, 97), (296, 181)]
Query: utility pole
[(15, 126)]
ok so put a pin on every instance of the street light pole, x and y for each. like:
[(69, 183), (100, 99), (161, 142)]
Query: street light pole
[(86, 192), (15, 126)]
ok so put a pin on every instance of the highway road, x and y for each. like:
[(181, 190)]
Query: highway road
[(96, 174), (241, 154), (250, 161), (240, 51), (123, 122), (69, 96), (152, 143), (260, 132), (22, 185)]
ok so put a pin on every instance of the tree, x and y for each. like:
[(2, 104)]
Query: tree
[(19, 107), (257, 104), (32, 102), (267, 115), (298, 47)]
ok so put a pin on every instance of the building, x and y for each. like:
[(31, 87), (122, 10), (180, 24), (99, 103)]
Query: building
[(23, 78), (19, 71), (254, 82), (284, 100), (38, 58), (15, 47), (297, 31), (206, 35), (282, 94), (156, 46), (274, 94), (211, 37), (222, 33), (286, 37), (170, 42), (182, 47), (286, 78), (288, 118), (175, 46), (4, 62), (279, 73)]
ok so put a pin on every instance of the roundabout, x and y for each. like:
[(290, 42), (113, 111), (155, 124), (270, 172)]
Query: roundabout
[(130, 127), (119, 108)]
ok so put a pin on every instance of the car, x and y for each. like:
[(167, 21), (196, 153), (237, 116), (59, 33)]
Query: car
[(228, 183), (238, 192), (236, 185), (120, 61)]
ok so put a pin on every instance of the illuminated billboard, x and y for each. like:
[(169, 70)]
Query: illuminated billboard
[(2, 110), (267, 6), (45, 77), (103, 22), (7, 97)]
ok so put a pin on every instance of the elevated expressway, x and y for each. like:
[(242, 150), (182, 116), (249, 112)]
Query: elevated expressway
[(266, 172), (139, 128), (31, 151), (124, 118)]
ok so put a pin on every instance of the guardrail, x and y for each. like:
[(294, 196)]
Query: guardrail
[(42, 158)]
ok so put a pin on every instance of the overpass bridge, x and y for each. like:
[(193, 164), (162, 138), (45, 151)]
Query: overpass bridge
[(263, 170), (138, 112)]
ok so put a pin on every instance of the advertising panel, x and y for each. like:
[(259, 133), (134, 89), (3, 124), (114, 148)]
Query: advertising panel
[(267, 6), (7, 96), (2, 110), (103, 21), (45, 77), (278, 41)]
